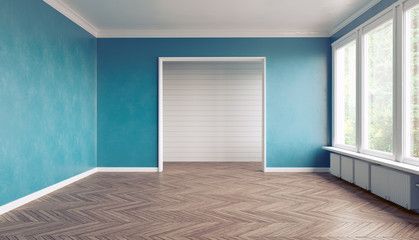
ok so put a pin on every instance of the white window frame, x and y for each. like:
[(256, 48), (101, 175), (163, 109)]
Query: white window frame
[(405, 114), (397, 12), (383, 18), (342, 43)]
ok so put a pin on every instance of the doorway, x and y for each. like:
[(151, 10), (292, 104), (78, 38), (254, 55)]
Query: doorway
[(212, 109)]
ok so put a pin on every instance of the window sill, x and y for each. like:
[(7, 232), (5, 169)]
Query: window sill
[(376, 160)]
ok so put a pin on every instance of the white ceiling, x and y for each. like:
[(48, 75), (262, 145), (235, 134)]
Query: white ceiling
[(215, 17)]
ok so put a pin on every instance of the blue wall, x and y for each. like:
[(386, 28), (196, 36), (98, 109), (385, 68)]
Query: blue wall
[(47, 98), (382, 5), (298, 84)]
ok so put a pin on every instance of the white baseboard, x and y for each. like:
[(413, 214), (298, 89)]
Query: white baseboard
[(296, 170), (33, 196), (127, 169)]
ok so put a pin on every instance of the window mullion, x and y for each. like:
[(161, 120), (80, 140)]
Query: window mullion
[(359, 90), (398, 84)]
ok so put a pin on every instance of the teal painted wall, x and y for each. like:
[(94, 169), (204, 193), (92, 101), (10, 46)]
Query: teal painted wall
[(47, 98), (298, 96)]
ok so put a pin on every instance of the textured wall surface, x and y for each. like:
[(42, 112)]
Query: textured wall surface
[(363, 18), (298, 96), (47, 98)]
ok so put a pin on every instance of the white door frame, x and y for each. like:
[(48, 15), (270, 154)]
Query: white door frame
[(210, 59)]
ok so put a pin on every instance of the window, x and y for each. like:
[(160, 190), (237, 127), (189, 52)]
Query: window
[(345, 95), (412, 83), (378, 88)]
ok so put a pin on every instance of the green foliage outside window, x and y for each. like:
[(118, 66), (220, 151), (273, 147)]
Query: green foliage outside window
[(379, 73), (414, 71), (349, 91)]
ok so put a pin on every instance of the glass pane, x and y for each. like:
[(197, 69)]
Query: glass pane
[(412, 76), (346, 94), (379, 88)]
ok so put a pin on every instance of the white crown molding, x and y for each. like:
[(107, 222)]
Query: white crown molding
[(197, 33), (354, 16), (206, 33), (296, 170), (127, 169), (73, 16), (38, 194)]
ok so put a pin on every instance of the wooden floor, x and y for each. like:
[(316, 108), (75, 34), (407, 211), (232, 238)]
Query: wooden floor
[(210, 201)]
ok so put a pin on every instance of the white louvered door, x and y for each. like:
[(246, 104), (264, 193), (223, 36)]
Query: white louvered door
[(212, 111)]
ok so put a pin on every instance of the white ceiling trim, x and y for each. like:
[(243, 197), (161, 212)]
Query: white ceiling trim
[(353, 17), (73, 16), (208, 33)]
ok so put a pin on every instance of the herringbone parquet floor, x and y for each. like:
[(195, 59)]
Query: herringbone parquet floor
[(210, 201)]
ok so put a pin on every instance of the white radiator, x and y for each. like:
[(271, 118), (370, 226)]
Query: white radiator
[(379, 181), (396, 186), (335, 164), (391, 185), (362, 174), (347, 169)]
